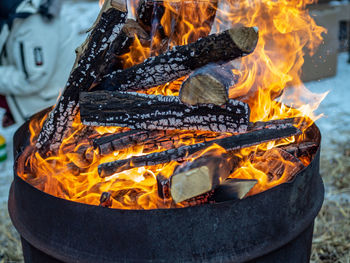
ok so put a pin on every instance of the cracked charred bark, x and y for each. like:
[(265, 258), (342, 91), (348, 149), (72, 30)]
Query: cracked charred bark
[(178, 154), (181, 60), (157, 112), (90, 55)]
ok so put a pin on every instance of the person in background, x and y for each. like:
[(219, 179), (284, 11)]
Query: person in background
[(36, 55)]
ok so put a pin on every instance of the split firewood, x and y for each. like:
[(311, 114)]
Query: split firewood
[(149, 139), (157, 112), (163, 187), (121, 45), (208, 85), (149, 14), (205, 198), (115, 142), (181, 60), (276, 163), (90, 55), (201, 175), (233, 189), (106, 199), (157, 139), (178, 154), (259, 125), (303, 149)]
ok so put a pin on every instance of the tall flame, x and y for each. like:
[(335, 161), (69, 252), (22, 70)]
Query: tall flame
[(286, 30)]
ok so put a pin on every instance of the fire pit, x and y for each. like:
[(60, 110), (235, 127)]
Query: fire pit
[(274, 226), (173, 144)]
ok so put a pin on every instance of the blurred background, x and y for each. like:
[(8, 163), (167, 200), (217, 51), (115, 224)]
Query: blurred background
[(327, 70)]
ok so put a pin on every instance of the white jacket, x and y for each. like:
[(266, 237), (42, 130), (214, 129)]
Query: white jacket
[(36, 62)]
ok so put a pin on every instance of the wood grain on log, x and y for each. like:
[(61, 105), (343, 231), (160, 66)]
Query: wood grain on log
[(208, 85), (201, 175), (178, 154), (90, 55), (157, 112), (181, 60)]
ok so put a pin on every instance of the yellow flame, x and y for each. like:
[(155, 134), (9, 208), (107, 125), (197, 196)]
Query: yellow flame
[(286, 30)]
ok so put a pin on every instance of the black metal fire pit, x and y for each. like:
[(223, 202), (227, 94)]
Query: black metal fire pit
[(273, 226)]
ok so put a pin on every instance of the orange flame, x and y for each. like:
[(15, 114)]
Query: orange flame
[(285, 31)]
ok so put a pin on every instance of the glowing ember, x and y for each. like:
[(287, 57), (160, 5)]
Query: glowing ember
[(285, 30)]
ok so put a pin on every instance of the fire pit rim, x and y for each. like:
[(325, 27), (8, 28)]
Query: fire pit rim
[(26, 233), (295, 231)]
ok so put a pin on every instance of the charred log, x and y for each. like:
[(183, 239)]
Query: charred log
[(106, 199), (273, 124), (233, 189), (90, 55), (199, 200), (149, 14), (157, 112), (304, 149), (208, 85), (276, 163), (181, 60), (150, 140), (201, 175), (163, 186), (121, 45), (178, 154)]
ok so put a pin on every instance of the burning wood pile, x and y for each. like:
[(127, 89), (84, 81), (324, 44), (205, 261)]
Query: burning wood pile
[(158, 112)]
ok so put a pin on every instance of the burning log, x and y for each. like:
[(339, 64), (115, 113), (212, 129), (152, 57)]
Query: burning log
[(149, 139), (208, 85), (148, 15), (181, 60), (90, 55), (233, 189), (199, 200), (163, 186), (259, 125), (229, 143), (156, 139), (115, 142), (301, 149), (201, 175), (121, 46), (157, 112), (106, 199), (276, 163)]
